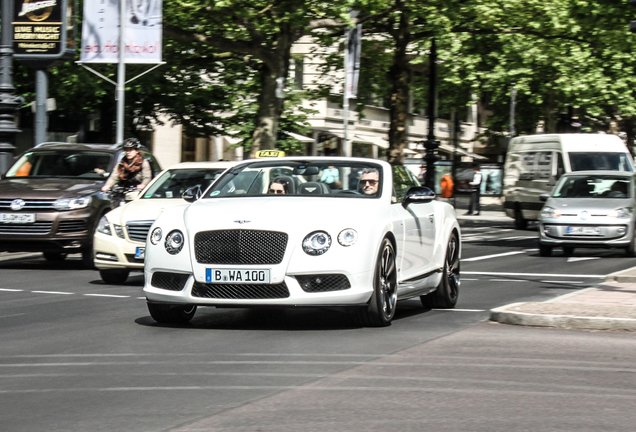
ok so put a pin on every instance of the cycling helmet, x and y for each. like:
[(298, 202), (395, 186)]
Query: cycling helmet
[(132, 143)]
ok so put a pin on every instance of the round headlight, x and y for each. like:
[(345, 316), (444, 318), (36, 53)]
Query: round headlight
[(317, 243), (347, 237), (174, 242), (155, 236)]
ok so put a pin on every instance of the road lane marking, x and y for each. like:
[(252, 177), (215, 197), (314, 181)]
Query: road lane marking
[(108, 295), (460, 310), (571, 259), (562, 282), (535, 274), (508, 280), (496, 255), (52, 292), (10, 290), (9, 316)]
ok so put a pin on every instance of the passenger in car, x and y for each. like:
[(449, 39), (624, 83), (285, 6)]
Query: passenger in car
[(369, 181), (279, 186)]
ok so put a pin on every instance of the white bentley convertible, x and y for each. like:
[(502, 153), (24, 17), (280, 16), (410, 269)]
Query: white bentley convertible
[(305, 231)]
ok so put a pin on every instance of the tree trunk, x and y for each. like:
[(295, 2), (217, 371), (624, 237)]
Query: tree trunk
[(399, 74), (551, 119), (270, 106)]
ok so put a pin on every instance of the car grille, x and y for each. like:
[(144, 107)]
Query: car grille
[(138, 230), (31, 204), (240, 291), (169, 281), (323, 282), (30, 228), (72, 226), (131, 258), (240, 247)]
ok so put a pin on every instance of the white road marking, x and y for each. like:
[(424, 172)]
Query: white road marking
[(535, 274), (571, 259), (517, 238), (562, 282), (460, 310), (9, 316), (52, 292), (465, 279), (494, 256), (508, 280), (107, 295), (10, 290)]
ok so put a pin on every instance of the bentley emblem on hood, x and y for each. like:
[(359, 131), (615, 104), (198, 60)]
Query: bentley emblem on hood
[(242, 221), (17, 204)]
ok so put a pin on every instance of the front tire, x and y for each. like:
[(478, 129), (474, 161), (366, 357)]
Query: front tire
[(171, 314), (520, 222), (383, 303), (114, 276), (630, 250), (545, 251), (447, 292)]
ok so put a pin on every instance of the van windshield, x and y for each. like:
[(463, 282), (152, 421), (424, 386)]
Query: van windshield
[(585, 161)]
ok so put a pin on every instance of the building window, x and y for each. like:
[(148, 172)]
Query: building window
[(298, 72)]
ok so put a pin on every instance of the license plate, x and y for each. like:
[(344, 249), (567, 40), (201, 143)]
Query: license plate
[(237, 276), (140, 253), (585, 230), (17, 217)]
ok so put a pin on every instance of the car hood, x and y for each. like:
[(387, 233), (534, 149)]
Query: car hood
[(142, 209), (576, 205), (47, 188), (278, 213)]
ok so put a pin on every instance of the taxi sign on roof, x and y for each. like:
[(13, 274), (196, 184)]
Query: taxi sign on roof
[(269, 153)]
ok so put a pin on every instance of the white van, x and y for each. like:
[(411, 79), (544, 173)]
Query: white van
[(534, 163)]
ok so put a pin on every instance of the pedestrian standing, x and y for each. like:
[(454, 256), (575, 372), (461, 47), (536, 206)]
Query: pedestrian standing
[(475, 185)]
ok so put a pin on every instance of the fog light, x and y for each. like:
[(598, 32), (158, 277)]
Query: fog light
[(105, 256), (621, 230)]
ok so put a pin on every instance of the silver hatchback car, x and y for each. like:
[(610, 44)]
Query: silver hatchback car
[(589, 209)]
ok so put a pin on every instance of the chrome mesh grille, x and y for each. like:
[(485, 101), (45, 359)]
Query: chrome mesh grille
[(240, 247), (28, 228), (240, 291), (72, 226), (29, 204), (169, 281), (323, 282), (138, 230)]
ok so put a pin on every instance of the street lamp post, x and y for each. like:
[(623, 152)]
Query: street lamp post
[(431, 144), (9, 104)]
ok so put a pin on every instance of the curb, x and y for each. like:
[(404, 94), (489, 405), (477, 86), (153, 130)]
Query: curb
[(504, 316)]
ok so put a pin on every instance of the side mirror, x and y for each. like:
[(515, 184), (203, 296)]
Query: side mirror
[(544, 197), (130, 196), (192, 194), (418, 195)]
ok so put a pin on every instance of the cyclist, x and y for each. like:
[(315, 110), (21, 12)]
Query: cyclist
[(132, 171)]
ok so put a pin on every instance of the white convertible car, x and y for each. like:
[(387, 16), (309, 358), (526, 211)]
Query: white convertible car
[(305, 231), (120, 238)]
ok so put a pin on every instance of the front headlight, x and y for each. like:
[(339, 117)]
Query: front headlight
[(549, 212), (317, 243), (103, 226), (621, 213), (347, 237), (174, 242), (72, 203), (155, 236)]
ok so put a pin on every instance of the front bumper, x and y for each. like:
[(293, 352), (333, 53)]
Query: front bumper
[(586, 235), (113, 252)]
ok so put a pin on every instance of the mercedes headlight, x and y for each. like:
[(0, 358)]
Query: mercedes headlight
[(550, 213), (155, 236), (174, 242), (72, 203), (317, 243), (347, 237), (103, 226), (621, 213)]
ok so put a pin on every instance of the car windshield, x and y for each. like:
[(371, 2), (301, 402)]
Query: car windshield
[(594, 187), (174, 182), (598, 161), (62, 163), (322, 178)]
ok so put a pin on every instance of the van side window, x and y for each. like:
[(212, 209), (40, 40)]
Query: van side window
[(560, 166), (528, 166), (544, 165)]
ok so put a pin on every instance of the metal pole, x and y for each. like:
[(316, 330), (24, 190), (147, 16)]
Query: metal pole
[(9, 104), (513, 97), (346, 150), (431, 144), (41, 95), (121, 72), (456, 130)]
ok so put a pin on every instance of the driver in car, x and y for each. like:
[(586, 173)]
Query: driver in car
[(369, 181)]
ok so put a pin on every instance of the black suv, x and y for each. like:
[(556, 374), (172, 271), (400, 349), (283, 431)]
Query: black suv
[(51, 198)]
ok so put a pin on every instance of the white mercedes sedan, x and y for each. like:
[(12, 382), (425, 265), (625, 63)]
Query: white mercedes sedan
[(305, 231)]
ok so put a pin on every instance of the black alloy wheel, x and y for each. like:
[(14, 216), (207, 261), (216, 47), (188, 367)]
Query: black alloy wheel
[(383, 303), (447, 292)]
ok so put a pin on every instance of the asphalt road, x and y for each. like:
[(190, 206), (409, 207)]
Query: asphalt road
[(80, 355)]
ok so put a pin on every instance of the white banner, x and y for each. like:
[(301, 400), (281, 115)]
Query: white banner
[(100, 31), (352, 62)]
